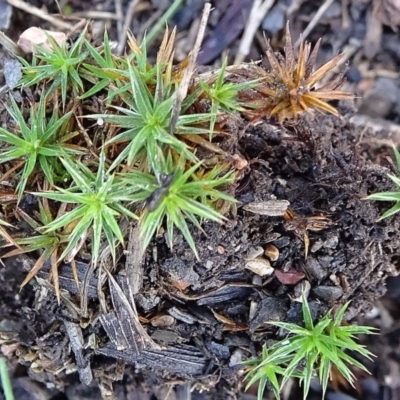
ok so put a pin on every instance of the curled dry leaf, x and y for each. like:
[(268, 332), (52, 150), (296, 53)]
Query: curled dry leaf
[(239, 162), (37, 37)]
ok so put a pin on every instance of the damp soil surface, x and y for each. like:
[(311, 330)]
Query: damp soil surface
[(175, 327)]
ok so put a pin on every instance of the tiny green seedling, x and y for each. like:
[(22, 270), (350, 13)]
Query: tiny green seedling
[(390, 196), (224, 95), (98, 200), (59, 66), (41, 142), (145, 124), (184, 197), (268, 375), (310, 350)]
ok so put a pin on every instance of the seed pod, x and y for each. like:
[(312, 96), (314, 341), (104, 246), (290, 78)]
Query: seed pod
[(271, 252)]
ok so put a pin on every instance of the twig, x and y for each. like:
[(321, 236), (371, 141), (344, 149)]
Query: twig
[(126, 25), (346, 19), (257, 14), (313, 22), (120, 16), (184, 84), (10, 45), (77, 27), (296, 4), (134, 260), (22, 5), (97, 15), (84, 289), (153, 18), (172, 9)]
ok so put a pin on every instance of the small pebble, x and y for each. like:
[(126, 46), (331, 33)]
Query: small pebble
[(275, 19), (379, 100), (5, 14), (209, 264), (35, 36), (254, 252), (269, 309), (163, 321), (353, 75), (219, 350), (332, 242), (315, 269), (256, 280), (12, 72), (303, 287), (236, 358), (290, 277), (260, 266), (328, 293)]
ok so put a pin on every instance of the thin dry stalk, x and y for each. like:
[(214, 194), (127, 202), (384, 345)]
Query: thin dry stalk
[(103, 15), (126, 25), (184, 84), (10, 45), (120, 16), (22, 5), (257, 14), (313, 22)]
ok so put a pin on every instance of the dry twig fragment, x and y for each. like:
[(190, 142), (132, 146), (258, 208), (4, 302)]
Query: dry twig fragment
[(272, 208)]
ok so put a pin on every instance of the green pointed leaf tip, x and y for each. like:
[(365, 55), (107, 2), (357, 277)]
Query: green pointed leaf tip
[(223, 95), (307, 352), (58, 66), (389, 196)]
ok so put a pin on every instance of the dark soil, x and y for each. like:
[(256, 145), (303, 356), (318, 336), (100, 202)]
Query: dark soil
[(195, 321)]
